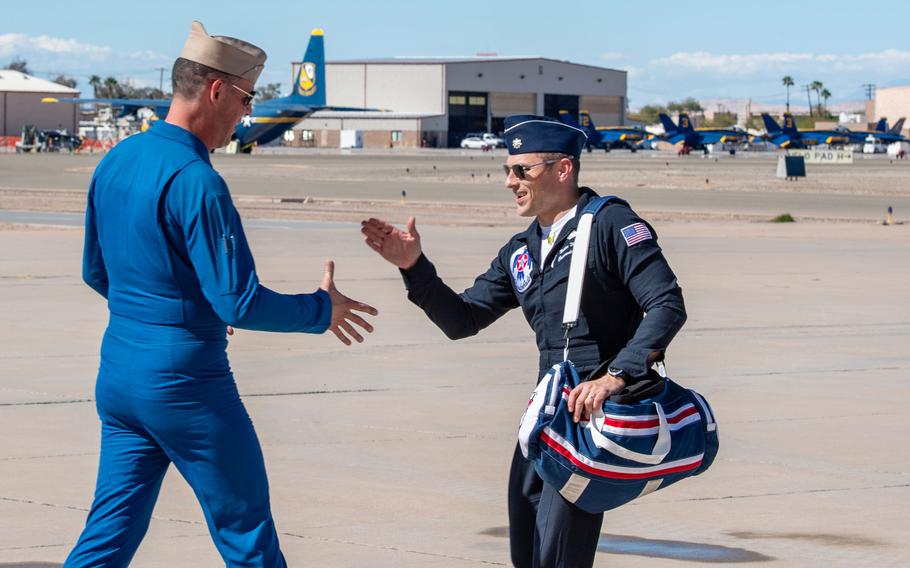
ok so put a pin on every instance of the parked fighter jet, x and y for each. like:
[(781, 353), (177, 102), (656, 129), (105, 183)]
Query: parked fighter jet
[(268, 119), (698, 139), (606, 137), (880, 134), (789, 136)]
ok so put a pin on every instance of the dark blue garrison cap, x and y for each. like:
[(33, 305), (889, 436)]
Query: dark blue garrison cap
[(528, 133)]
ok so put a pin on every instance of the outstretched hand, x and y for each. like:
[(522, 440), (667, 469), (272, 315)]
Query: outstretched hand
[(401, 248), (343, 317)]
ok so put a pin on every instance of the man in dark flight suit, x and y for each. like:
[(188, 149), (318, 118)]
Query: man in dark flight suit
[(630, 278)]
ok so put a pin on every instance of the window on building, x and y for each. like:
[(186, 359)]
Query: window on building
[(457, 100), (306, 135), (396, 136), (477, 101)]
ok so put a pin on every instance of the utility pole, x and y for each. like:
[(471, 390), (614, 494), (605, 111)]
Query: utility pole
[(870, 91), (161, 78)]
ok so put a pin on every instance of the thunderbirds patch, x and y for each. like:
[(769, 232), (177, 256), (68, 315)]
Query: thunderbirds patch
[(522, 266)]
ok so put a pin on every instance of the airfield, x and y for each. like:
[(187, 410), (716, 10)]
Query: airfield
[(395, 453)]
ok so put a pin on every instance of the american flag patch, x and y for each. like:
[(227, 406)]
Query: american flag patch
[(636, 233)]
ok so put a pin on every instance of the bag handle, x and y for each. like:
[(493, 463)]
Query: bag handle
[(657, 455)]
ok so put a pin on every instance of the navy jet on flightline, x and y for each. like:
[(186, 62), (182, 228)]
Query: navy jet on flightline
[(268, 119), (788, 136), (698, 139), (606, 137)]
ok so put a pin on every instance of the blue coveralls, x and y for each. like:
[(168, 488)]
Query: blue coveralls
[(623, 282), (164, 244)]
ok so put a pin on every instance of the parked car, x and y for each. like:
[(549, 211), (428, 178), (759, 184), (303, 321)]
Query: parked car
[(488, 137), (475, 143)]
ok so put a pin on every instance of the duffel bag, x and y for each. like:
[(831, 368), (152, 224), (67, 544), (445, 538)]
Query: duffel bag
[(625, 451)]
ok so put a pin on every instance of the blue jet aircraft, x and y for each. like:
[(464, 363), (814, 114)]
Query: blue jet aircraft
[(698, 139), (881, 134), (789, 136), (268, 119), (606, 137)]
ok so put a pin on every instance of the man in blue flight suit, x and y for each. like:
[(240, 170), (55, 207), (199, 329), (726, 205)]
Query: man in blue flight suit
[(628, 276), (165, 246)]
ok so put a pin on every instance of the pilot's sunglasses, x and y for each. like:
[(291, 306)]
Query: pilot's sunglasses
[(249, 96), (520, 170)]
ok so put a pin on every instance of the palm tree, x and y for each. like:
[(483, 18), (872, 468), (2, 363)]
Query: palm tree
[(788, 82), (826, 94), (111, 87), (817, 86), (95, 82)]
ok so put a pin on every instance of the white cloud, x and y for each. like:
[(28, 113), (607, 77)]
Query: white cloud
[(745, 64), (612, 56), (48, 56), (15, 44)]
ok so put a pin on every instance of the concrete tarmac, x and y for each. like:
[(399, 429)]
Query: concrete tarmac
[(395, 453)]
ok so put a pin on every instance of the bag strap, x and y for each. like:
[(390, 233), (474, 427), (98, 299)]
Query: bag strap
[(579, 264)]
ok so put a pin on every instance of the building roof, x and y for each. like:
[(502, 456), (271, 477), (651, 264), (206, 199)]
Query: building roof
[(15, 81), (438, 60), (368, 114)]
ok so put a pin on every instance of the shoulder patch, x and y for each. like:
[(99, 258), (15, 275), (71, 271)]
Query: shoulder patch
[(636, 233), (522, 268)]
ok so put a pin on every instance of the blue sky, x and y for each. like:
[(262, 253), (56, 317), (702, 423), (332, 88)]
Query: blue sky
[(672, 50)]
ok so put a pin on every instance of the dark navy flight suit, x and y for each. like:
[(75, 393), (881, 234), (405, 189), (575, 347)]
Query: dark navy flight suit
[(622, 283), (166, 248)]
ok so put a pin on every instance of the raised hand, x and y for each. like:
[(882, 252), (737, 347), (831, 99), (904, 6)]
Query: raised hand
[(343, 308), (401, 248)]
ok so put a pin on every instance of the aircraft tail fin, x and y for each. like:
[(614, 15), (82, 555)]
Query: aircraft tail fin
[(309, 83), (566, 118), (881, 125), (667, 122), (789, 126), (898, 126), (685, 124), (587, 124), (770, 124)]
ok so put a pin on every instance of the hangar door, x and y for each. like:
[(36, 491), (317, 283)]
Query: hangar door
[(505, 104), (467, 113), (606, 111), (552, 104)]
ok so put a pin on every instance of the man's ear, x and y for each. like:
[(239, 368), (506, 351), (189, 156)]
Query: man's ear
[(215, 89), (565, 169)]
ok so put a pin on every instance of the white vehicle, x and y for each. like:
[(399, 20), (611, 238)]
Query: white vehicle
[(475, 143), (488, 137)]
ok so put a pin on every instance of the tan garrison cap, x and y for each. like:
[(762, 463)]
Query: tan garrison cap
[(227, 54)]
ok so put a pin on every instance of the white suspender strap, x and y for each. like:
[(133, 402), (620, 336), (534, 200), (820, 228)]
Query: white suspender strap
[(578, 267)]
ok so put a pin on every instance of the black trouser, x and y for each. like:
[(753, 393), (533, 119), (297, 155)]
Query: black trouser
[(545, 530)]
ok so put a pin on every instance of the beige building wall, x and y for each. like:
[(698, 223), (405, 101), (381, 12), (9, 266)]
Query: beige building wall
[(893, 103)]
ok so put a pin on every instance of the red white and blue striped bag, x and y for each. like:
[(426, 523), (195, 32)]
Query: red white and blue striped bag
[(625, 451)]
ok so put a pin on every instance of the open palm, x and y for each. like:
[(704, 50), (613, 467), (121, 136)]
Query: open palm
[(401, 248)]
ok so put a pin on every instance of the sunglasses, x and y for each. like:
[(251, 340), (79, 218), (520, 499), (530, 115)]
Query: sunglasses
[(520, 170), (248, 97)]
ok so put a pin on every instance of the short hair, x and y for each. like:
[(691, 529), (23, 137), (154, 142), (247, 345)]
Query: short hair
[(576, 163), (190, 78)]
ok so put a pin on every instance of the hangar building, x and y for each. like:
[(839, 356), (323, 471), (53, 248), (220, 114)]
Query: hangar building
[(20, 104), (436, 101), (892, 103)]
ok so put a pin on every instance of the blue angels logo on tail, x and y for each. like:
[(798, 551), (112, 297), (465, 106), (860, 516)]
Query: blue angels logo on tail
[(306, 85)]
